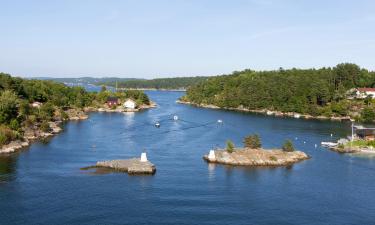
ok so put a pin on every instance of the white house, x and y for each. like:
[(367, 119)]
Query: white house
[(130, 104), (365, 92)]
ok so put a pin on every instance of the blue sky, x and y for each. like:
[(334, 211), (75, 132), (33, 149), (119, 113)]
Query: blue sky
[(161, 38)]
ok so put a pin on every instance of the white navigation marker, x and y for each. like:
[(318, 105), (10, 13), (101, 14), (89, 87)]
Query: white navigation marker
[(175, 117), (211, 155), (143, 157)]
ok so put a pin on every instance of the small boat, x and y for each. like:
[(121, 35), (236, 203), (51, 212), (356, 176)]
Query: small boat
[(328, 144), (157, 124)]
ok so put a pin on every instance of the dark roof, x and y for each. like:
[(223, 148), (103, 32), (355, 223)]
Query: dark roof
[(112, 99)]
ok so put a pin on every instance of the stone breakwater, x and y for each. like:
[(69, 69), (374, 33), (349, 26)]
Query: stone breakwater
[(270, 112), (130, 166), (256, 157)]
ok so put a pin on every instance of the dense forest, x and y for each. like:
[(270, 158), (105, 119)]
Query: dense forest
[(322, 91), (159, 83), (17, 111)]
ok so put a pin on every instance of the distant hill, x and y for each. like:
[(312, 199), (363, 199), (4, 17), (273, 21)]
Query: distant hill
[(85, 80), (132, 83), (159, 83)]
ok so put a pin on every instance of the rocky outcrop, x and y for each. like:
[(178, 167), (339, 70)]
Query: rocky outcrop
[(120, 108), (33, 133), (130, 166), (256, 157)]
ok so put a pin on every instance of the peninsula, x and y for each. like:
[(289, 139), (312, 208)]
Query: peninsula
[(343, 92), (35, 109)]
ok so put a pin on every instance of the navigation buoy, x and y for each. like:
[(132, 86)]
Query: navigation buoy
[(316, 145), (331, 135), (175, 117), (157, 124), (143, 157), (211, 155)]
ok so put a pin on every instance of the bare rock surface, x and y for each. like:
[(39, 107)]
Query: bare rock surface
[(131, 166), (257, 157)]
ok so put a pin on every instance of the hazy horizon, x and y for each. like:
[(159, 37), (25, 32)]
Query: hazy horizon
[(158, 39)]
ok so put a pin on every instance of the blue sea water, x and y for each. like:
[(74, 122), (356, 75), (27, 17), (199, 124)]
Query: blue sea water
[(44, 184)]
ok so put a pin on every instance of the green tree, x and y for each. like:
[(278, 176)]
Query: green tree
[(8, 106), (368, 115), (230, 146), (288, 146), (252, 141)]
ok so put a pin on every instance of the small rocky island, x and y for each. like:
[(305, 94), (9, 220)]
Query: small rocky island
[(253, 155), (131, 166)]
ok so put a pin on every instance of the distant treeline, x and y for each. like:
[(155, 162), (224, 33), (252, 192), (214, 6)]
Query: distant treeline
[(314, 91), (159, 83)]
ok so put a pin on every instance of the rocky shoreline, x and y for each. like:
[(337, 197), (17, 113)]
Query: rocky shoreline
[(270, 112), (34, 133), (120, 109), (255, 157)]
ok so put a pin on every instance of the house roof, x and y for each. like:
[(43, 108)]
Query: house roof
[(112, 99), (366, 89)]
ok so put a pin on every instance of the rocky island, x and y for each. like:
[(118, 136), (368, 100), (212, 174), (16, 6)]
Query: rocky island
[(253, 155)]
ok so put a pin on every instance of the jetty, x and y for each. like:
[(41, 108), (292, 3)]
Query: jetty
[(131, 166), (255, 157)]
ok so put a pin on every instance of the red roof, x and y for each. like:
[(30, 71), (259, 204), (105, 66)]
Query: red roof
[(366, 89)]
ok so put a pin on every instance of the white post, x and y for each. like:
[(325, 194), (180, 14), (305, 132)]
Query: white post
[(143, 157), (211, 155)]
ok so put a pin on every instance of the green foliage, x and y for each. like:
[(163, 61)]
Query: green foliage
[(44, 126), (230, 146), (160, 83), (8, 106), (368, 115), (362, 143), (288, 146), (312, 91), (273, 158), (252, 141), (6, 135)]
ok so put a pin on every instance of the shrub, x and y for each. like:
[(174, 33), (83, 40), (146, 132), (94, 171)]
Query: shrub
[(6, 135), (288, 146), (273, 158), (252, 141), (230, 146), (44, 126), (368, 115)]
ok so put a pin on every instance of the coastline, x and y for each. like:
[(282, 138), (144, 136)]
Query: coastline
[(269, 112), (34, 133), (152, 89)]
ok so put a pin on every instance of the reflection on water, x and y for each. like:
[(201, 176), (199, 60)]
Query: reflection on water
[(8, 164)]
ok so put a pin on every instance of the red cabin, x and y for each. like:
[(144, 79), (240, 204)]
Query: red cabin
[(112, 101)]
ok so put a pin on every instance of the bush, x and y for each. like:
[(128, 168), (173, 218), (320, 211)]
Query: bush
[(6, 135), (368, 115), (288, 146), (230, 146), (14, 124), (252, 141), (44, 126), (273, 158)]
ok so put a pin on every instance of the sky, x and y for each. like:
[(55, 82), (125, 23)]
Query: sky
[(170, 38)]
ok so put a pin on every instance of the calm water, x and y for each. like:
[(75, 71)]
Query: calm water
[(44, 184)]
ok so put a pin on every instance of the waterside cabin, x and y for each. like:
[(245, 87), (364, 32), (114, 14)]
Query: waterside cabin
[(112, 101), (130, 104), (362, 93)]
